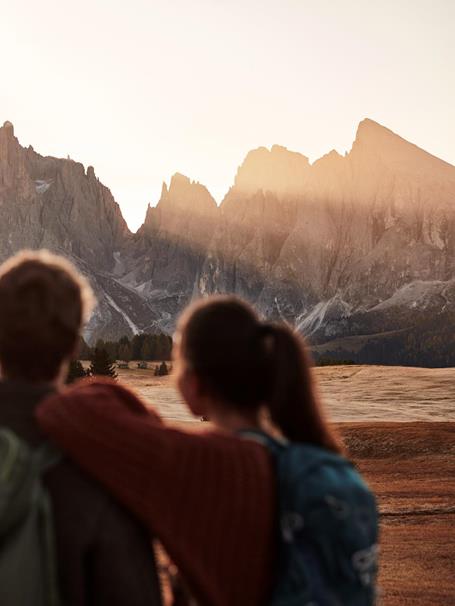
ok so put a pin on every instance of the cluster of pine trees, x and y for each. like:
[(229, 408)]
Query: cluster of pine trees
[(100, 364), (327, 361), (103, 356), (145, 347)]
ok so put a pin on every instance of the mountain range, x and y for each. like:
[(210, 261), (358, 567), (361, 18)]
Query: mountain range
[(357, 251)]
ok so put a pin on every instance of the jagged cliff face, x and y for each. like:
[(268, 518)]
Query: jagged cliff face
[(55, 203), (165, 257), (355, 231), (393, 217), (347, 246)]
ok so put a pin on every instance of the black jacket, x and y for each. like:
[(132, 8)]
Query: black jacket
[(105, 557)]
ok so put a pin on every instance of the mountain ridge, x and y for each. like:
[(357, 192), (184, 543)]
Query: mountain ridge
[(322, 245)]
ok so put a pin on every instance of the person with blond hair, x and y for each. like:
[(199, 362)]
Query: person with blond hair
[(63, 538)]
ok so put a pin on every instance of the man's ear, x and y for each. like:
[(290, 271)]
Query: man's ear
[(74, 354), (63, 371)]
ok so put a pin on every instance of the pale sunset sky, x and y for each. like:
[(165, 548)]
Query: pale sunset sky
[(143, 89)]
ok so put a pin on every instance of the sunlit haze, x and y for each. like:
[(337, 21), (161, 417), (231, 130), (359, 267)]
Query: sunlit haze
[(143, 89)]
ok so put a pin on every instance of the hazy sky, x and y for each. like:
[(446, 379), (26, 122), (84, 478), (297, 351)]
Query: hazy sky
[(142, 89)]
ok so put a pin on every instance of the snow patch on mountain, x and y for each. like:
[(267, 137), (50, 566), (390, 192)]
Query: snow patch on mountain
[(119, 267), (322, 313), (418, 294), (135, 330), (42, 186)]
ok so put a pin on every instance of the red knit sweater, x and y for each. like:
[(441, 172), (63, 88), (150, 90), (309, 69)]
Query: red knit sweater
[(209, 497)]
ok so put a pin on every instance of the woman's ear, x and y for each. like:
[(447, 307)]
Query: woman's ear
[(192, 390)]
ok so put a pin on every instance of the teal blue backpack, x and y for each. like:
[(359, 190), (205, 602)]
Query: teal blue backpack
[(328, 528), (27, 557)]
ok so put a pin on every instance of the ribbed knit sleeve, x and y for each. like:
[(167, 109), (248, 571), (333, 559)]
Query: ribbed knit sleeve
[(208, 497)]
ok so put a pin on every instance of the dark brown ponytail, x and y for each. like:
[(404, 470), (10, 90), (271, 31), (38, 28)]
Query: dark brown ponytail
[(293, 402), (247, 364)]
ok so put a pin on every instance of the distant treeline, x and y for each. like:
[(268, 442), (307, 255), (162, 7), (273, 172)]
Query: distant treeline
[(145, 346), (430, 343), (326, 361)]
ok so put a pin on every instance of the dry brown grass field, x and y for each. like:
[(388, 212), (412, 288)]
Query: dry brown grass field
[(411, 467), (399, 426)]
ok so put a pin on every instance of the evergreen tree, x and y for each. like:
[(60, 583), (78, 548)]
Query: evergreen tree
[(100, 344), (163, 369), (136, 346), (112, 348), (102, 364), (85, 352), (163, 347), (124, 340), (124, 352), (146, 350), (144, 346), (76, 371)]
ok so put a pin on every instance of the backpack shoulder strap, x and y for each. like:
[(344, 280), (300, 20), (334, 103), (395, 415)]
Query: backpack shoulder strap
[(11, 448), (25, 504), (46, 456), (15, 459), (275, 445), (304, 457)]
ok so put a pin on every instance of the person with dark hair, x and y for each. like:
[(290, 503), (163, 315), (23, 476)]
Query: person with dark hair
[(229, 504), (52, 514), (240, 371), (255, 378)]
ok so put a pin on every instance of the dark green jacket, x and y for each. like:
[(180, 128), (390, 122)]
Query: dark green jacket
[(104, 556)]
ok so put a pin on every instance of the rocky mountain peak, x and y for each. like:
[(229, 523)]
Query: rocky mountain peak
[(377, 150), (149, 223), (369, 127), (179, 179), (12, 160), (8, 141), (186, 196), (331, 159), (54, 203), (183, 203), (277, 170), (91, 172), (372, 136), (8, 128), (164, 190)]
